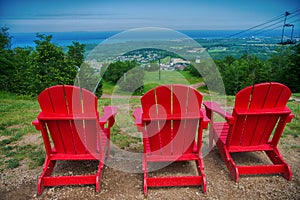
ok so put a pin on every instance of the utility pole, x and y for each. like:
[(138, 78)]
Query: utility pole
[(159, 75)]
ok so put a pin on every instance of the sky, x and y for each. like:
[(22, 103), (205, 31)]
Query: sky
[(118, 15)]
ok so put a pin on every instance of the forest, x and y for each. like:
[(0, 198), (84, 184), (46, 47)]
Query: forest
[(28, 71)]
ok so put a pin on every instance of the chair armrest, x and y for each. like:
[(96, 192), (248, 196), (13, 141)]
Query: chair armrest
[(137, 114), (206, 120), (37, 124), (214, 107), (290, 117), (108, 115)]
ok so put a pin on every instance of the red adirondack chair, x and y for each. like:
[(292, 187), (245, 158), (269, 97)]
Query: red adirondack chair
[(256, 124), (72, 130), (171, 121)]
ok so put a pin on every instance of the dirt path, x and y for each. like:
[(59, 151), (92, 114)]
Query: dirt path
[(20, 183)]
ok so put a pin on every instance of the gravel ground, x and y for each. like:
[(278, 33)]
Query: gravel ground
[(21, 183)]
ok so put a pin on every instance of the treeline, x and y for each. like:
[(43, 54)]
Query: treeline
[(127, 75), (283, 66), (30, 70)]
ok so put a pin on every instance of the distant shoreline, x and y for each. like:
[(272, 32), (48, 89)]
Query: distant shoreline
[(66, 38)]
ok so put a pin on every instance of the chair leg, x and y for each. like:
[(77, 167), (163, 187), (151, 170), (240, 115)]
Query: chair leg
[(99, 175), (204, 183), (108, 147), (145, 185), (107, 153), (276, 157), (200, 168), (211, 140), (231, 166), (145, 170), (47, 171)]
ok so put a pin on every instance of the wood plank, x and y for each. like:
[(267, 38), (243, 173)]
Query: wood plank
[(179, 99), (174, 181), (248, 131), (243, 98), (284, 96), (164, 101), (259, 95), (148, 102)]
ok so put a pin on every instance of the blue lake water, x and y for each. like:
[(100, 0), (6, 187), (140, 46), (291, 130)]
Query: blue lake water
[(66, 38)]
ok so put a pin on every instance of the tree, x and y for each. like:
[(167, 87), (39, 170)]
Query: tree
[(75, 53), (285, 67), (117, 69), (5, 39), (7, 67), (132, 80), (31, 70), (49, 66), (240, 73), (88, 78), (22, 62)]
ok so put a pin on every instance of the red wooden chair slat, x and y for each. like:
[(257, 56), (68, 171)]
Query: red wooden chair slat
[(69, 117), (170, 119), (258, 120), (258, 96)]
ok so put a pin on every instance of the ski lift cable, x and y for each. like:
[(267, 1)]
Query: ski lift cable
[(273, 28), (269, 28), (295, 21), (293, 16), (267, 22), (269, 25), (266, 30)]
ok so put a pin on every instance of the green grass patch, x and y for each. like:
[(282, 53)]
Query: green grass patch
[(296, 95), (190, 78), (203, 89), (107, 88), (17, 114), (12, 163), (151, 80), (293, 127)]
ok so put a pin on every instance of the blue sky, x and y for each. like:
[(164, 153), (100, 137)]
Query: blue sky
[(100, 15)]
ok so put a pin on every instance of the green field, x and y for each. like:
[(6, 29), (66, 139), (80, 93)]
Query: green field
[(151, 80)]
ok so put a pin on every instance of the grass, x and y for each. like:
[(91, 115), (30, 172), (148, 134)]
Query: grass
[(151, 80), (293, 128), (18, 112)]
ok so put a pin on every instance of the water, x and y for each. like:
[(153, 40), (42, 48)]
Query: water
[(61, 38), (66, 38)]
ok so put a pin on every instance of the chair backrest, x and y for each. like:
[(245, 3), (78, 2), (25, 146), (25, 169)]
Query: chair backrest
[(69, 114), (172, 117), (260, 113)]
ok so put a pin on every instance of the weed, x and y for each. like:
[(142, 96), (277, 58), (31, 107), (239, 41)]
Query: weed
[(12, 163)]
